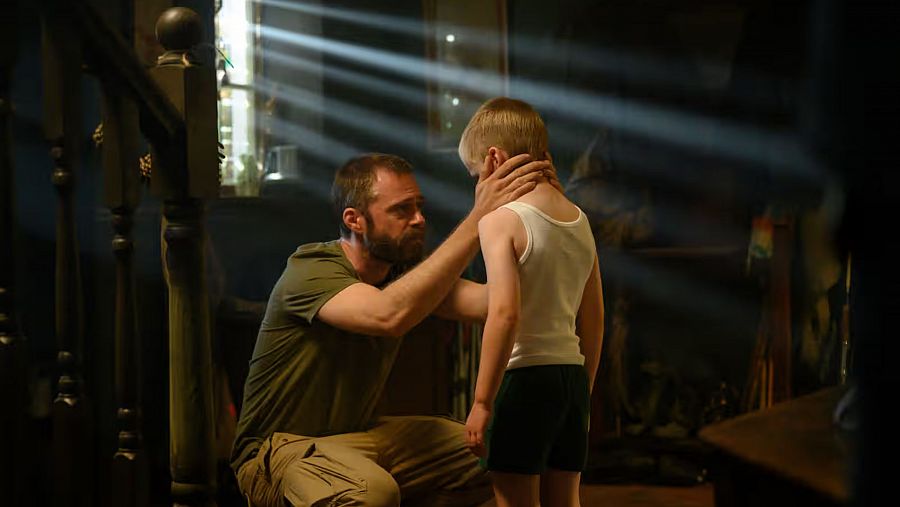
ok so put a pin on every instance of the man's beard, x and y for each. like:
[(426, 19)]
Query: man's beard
[(404, 251)]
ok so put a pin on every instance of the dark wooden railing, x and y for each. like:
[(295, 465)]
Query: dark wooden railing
[(72, 428), (122, 182), (120, 155), (13, 387), (135, 101)]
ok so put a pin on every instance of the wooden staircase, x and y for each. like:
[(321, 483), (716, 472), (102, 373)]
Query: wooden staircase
[(153, 104)]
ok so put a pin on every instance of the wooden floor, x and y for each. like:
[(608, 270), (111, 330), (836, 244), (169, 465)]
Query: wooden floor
[(642, 496), (646, 496)]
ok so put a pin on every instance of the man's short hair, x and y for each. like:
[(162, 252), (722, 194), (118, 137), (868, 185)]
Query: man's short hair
[(509, 124), (352, 187)]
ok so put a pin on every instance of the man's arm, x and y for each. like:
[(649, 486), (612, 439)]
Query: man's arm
[(466, 302), (504, 302), (589, 324), (394, 310)]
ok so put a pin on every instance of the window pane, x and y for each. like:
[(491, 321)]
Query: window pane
[(235, 37)]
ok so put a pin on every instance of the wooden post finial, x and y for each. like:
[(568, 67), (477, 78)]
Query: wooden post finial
[(179, 29)]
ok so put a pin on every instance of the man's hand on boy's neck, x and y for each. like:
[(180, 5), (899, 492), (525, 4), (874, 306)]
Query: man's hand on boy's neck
[(550, 172), (498, 156)]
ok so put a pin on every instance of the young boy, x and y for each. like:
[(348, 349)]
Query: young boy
[(544, 328)]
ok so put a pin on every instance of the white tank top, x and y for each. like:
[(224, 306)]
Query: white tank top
[(553, 270)]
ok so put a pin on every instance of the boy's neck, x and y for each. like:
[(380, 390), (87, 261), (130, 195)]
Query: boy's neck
[(543, 185)]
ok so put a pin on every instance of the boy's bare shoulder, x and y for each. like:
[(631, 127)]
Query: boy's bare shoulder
[(499, 219), (500, 223)]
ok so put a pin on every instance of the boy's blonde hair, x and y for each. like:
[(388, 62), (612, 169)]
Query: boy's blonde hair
[(509, 124)]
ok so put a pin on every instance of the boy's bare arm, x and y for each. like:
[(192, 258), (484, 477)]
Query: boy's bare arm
[(504, 301), (589, 325), (497, 246)]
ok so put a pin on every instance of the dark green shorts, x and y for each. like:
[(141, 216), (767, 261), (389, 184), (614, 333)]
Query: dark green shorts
[(541, 418)]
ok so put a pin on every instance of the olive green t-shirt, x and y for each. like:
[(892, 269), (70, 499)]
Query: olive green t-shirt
[(306, 377)]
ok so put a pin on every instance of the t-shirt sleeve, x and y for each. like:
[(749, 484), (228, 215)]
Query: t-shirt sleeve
[(309, 283)]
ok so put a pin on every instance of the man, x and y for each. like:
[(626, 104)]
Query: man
[(332, 328)]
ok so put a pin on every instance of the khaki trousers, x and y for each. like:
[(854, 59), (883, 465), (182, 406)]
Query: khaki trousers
[(417, 459)]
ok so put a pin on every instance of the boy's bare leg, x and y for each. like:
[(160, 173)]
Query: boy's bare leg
[(559, 488), (516, 490)]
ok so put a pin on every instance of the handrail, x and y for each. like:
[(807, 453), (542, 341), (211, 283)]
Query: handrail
[(117, 60), (185, 173)]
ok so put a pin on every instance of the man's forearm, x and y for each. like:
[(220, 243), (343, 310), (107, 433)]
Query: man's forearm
[(417, 293), (466, 302)]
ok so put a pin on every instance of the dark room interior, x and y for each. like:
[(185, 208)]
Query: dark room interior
[(736, 160)]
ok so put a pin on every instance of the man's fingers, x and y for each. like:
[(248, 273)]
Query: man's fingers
[(523, 168), (550, 173), (524, 179), (510, 165), (522, 189), (487, 169), (530, 169)]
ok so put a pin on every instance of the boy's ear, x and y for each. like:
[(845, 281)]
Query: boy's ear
[(498, 155)]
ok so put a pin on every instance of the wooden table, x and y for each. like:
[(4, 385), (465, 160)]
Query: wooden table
[(789, 454)]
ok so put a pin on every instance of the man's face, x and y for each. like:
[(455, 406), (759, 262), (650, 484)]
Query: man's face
[(396, 225)]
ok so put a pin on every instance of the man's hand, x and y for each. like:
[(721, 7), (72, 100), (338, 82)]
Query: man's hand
[(513, 179), (476, 425), (550, 173)]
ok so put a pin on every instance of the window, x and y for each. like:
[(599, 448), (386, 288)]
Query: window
[(236, 36), (466, 50)]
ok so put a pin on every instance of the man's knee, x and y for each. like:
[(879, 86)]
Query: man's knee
[(442, 429), (330, 475), (381, 491), (375, 490)]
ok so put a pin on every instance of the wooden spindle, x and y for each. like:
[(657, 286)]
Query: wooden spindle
[(13, 387), (73, 460), (120, 160), (130, 474), (129, 486)]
